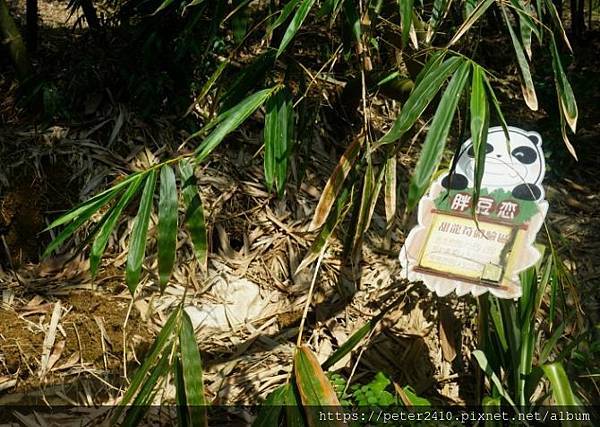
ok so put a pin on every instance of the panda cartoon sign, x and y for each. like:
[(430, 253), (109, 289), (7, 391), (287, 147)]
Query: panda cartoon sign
[(451, 251)]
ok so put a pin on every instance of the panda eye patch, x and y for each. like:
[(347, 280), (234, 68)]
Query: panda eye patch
[(525, 155), (488, 149)]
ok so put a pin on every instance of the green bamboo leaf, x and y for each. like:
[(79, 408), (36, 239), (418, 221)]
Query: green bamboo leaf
[(420, 98), (527, 86), (551, 344), (496, 105), (434, 144), (496, 316), (557, 21), (295, 24), (182, 415), (350, 344), (480, 117), (314, 387), (167, 224), (526, 18), (566, 98), (191, 364), (82, 217), (144, 398), (293, 406), (526, 32), (561, 387), (208, 85), (477, 13), (271, 409), (105, 231), (406, 11), (137, 241), (352, 21), (194, 213), (161, 341), (84, 208), (278, 131), (438, 13), (232, 120), (283, 15), (491, 402), (485, 367)]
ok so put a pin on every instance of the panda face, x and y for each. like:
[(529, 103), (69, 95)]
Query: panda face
[(506, 164)]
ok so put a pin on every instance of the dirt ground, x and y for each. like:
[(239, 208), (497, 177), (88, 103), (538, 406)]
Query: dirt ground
[(62, 334)]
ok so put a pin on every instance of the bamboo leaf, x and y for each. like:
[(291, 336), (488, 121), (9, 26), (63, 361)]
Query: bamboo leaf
[(137, 245), (194, 213), (232, 119), (566, 98), (283, 15), (314, 387), (350, 344), (420, 98), (85, 207), (561, 387), (527, 84), (144, 399), (557, 21), (477, 13), (496, 105), (191, 365), (279, 122), (208, 85), (294, 416), (182, 415), (295, 24), (335, 183), (161, 341), (551, 343), (167, 224), (480, 116), (485, 367), (82, 217), (434, 144), (271, 409), (105, 231)]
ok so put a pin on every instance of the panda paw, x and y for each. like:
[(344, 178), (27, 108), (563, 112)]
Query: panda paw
[(527, 192), (455, 182)]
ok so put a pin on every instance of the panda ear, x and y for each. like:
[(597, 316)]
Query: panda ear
[(535, 138)]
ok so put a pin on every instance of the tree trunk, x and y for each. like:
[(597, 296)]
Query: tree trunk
[(32, 24), (12, 38)]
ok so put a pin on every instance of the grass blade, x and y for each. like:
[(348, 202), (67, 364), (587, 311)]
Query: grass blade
[(230, 121), (434, 144), (279, 122), (137, 245), (294, 26), (191, 364), (527, 84), (105, 231), (477, 13), (167, 224), (480, 117), (194, 213), (419, 99)]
